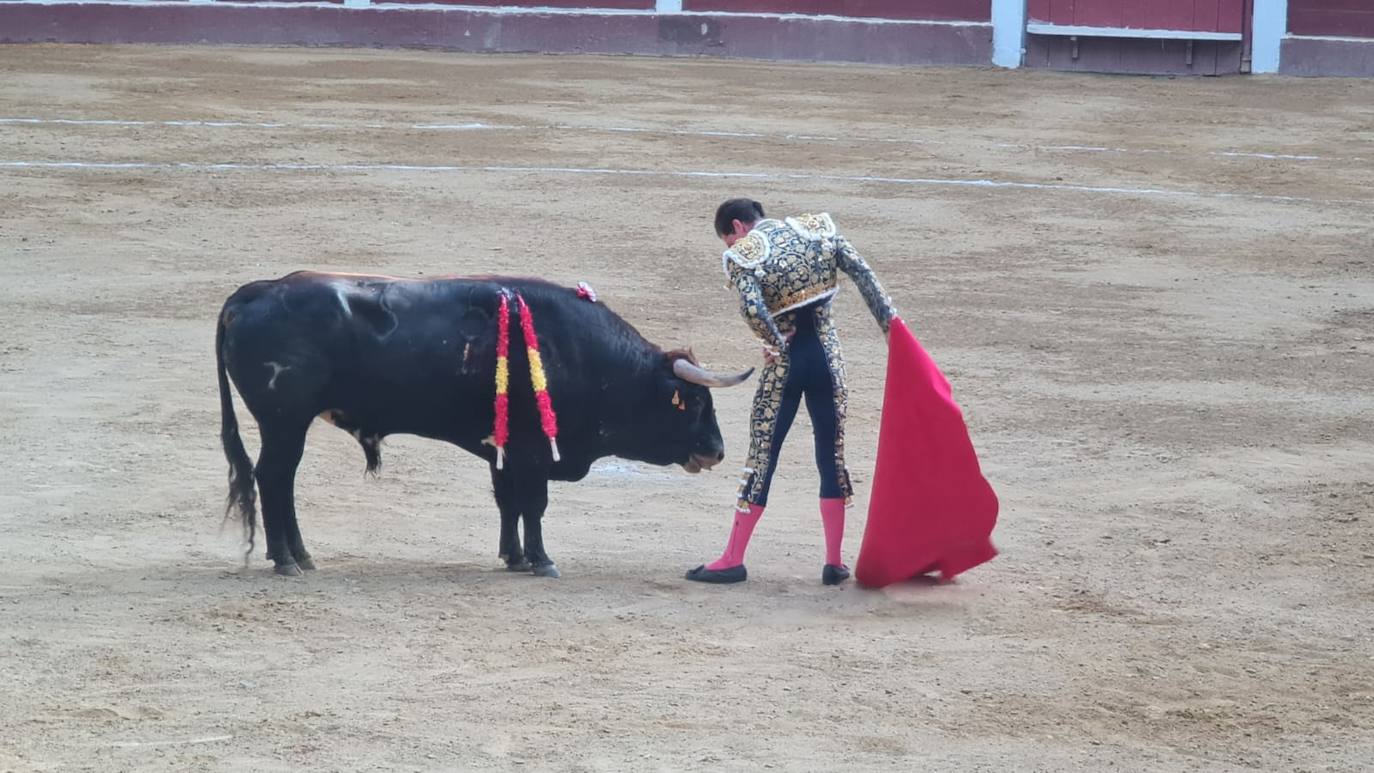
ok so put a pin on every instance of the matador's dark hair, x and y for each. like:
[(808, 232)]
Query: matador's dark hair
[(743, 210)]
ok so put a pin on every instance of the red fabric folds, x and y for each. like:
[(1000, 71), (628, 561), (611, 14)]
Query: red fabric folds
[(931, 509)]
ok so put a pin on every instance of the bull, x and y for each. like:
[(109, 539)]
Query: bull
[(378, 356)]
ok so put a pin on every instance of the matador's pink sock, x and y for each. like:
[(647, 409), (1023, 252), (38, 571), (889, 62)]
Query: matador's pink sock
[(739, 539), (832, 518)]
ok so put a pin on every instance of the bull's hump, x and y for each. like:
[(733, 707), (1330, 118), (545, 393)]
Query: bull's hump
[(327, 276), (345, 276)]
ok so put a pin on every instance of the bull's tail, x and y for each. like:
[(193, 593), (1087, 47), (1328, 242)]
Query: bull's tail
[(242, 496)]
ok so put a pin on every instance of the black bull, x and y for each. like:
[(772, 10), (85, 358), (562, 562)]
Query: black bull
[(377, 356)]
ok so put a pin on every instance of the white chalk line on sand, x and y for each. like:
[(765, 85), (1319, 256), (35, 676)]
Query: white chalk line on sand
[(473, 126), (198, 166), (175, 742)]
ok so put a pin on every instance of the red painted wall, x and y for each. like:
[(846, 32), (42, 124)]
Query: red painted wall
[(933, 10), (1193, 15), (1335, 18), (630, 5), (593, 5), (756, 37), (920, 10)]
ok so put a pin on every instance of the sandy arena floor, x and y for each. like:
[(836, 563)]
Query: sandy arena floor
[(1161, 328)]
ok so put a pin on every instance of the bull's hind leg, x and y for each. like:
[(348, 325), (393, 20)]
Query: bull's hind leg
[(294, 543), (276, 473)]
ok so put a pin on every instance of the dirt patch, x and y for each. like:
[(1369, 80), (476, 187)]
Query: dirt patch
[(1157, 320)]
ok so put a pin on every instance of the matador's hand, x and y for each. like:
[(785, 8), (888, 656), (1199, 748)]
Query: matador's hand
[(772, 355)]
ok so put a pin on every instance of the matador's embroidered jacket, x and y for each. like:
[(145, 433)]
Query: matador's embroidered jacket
[(781, 268)]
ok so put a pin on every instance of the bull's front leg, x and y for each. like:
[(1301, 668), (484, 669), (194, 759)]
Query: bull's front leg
[(534, 496), (507, 501)]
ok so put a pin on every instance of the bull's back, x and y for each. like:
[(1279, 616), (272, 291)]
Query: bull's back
[(396, 355)]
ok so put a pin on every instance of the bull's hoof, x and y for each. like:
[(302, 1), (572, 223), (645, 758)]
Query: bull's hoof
[(307, 563), (546, 570), (288, 570), (520, 566)]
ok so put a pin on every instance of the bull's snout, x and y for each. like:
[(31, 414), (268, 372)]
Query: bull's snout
[(706, 461)]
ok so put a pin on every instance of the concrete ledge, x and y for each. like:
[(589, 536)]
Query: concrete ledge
[(1327, 56), (1066, 30), (467, 29)]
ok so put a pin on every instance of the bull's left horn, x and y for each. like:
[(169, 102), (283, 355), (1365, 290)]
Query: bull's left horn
[(699, 375)]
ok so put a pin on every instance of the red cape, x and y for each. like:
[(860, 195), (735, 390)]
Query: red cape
[(931, 509)]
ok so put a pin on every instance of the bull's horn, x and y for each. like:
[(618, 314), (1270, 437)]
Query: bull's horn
[(699, 375)]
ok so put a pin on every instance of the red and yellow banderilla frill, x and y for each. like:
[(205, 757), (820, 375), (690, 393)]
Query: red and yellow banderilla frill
[(548, 419), (501, 432)]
